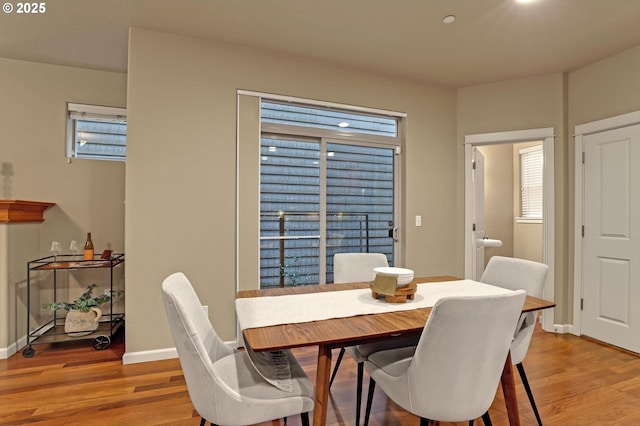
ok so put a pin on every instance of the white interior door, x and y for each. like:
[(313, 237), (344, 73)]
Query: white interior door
[(478, 212), (611, 242)]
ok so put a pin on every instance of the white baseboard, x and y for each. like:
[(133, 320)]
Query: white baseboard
[(147, 356), (13, 348), (154, 355), (563, 328), (8, 351)]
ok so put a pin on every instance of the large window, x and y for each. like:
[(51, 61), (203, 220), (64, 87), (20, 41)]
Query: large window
[(323, 191), (96, 132)]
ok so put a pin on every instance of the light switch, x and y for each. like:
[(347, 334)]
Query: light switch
[(418, 220)]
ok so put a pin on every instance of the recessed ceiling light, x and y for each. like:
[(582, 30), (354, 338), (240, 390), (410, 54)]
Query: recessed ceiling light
[(448, 19), (343, 124), (525, 1)]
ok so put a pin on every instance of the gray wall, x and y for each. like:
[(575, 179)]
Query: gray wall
[(498, 198), (181, 200)]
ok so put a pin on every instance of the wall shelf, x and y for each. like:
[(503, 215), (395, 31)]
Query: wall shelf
[(12, 211)]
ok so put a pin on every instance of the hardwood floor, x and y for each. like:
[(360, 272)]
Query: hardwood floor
[(575, 381)]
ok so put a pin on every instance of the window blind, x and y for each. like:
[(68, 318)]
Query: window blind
[(531, 163)]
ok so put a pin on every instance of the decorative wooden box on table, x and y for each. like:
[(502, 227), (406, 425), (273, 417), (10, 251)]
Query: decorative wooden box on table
[(395, 284), (402, 294), (53, 330)]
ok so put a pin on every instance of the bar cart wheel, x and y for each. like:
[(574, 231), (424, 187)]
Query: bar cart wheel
[(101, 342), (28, 352)]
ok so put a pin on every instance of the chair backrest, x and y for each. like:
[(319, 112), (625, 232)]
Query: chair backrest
[(196, 341), (459, 359), (356, 267), (515, 274)]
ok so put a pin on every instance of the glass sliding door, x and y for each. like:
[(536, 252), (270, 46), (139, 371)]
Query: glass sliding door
[(289, 212), (359, 201), (328, 184), (320, 198)]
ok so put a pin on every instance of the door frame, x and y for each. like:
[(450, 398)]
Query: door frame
[(478, 206), (580, 132), (546, 135)]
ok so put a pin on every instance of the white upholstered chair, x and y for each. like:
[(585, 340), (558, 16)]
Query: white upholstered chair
[(453, 373), (358, 267), (515, 274), (223, 384)]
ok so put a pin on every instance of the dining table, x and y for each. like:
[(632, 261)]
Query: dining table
[(336, 330)]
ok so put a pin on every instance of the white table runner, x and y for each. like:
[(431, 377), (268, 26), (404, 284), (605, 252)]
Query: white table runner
[(297, 308)]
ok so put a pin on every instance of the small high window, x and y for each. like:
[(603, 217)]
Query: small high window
[(531, 163), (96, 132)]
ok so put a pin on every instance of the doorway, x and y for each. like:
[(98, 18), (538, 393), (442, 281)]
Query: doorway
[(607, 249), (474, 241), (508, 201)]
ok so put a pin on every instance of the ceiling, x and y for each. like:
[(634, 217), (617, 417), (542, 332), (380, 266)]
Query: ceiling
[(491, 40)]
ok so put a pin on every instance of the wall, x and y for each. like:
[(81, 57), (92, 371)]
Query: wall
[(527, 103), (498, 198), (181, 174), (89, 195), (18, 243)]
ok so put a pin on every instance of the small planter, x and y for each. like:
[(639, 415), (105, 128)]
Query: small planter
[(78, 323)]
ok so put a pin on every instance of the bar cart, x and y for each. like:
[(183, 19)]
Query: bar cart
[(52, 330)]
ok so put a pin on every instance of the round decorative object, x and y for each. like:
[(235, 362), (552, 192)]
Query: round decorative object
[(405, 276), (101, 342)]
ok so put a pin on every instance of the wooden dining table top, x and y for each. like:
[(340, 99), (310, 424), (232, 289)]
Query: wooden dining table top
[(338, 332)]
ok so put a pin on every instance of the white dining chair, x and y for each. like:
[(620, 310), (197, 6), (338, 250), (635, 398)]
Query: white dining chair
[(453, 373), (530, 276), (223, 384), (358, 267)]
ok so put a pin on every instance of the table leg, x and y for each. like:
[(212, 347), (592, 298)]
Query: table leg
[(509, 391), (323, 373)]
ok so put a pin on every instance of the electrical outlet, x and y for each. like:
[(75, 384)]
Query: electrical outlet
[(418, 220), (205, 308)]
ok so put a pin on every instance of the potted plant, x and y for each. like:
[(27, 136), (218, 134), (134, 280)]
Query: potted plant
[(84, 312)]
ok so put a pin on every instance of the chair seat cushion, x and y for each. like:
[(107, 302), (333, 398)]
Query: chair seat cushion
[(361, 352)]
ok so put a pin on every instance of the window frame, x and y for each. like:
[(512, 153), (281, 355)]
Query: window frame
[(98, 113), (522, 155)]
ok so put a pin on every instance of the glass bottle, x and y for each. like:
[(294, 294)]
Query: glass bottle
[(88, 248)]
